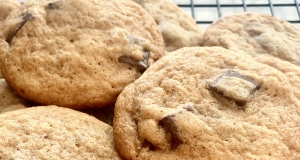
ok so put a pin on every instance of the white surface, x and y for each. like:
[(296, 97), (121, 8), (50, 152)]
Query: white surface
[(210, 13)]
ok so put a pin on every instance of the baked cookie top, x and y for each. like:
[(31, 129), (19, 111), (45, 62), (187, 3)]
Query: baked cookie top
[(77, 53), (6, 6), (290, 70), (9, 100), (210, 103), (54, 133), (255, 34), (177, 27)]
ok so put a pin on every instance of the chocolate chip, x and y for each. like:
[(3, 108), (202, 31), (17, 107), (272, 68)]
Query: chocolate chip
[(142, 64), (52, 6), (135, 39), (148, 145), (27, 16), (168, 124), (191, 108), (238, 90)]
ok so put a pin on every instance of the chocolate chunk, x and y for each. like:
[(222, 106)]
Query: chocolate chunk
[(136, 40), (233, 85), (168, 124), (27, 16), (52, 6), (191, 108), (142, 64)]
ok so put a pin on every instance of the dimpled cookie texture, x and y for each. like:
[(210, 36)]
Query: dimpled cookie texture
[(77, 53), (290, 70), (255, 34), (6, 6), (9, 100), (177, 27), (208, 103), (50, 132)]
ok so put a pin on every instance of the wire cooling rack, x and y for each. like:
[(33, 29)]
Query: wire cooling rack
[(206, 11)]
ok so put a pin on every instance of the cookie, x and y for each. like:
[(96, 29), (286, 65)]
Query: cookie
[(61, 53), (290, 70), (54, 133), (208, 103), (177, 27), (7, 6), (255, 34), (9, 100)]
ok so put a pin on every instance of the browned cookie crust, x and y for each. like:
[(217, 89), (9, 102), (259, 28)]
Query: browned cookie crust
[(77, 53), (177, 27), (255, 34), (208, 103), (54, 133)]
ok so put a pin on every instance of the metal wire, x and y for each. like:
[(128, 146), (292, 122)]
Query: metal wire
[(243, 5)]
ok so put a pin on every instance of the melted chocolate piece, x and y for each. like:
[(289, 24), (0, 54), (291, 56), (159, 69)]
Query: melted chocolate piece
[(27, 16), (230, 73), (168, 124), (52, 6), (142, 64)]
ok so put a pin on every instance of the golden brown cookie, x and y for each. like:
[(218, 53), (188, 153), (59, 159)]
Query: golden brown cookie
[(290, 70), (9, 100), (6, 6), (255, 34), (208, 103), (77, 53), (54, 133), (177, 27)]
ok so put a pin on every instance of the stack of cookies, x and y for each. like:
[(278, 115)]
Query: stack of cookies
[(123, 79)]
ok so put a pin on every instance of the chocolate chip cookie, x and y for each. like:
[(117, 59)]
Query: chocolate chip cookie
[(255, 34), (50, 132), (77, 53), (177, 27), (290, 70), (208, 103), (9, 100)]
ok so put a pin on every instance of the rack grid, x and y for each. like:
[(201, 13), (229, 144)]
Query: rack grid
[(206, 11)]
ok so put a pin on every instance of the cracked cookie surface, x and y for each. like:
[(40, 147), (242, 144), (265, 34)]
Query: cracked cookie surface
[(255, 34), (66, 52), (188, 106)]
